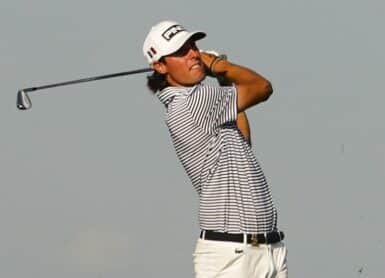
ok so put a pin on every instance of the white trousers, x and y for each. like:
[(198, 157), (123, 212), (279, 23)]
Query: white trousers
[(224, 259)]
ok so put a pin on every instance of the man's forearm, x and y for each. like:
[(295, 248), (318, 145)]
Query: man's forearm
[(252, 87), (237, 74)]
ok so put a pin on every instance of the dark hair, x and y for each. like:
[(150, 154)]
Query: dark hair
[(156, 82)]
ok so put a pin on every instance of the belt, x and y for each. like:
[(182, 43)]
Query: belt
[(254, 239)]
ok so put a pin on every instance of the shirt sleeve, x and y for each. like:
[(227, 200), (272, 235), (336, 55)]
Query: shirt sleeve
[(212, 107)]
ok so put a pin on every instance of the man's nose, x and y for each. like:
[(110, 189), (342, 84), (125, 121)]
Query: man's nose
[(193, 53)]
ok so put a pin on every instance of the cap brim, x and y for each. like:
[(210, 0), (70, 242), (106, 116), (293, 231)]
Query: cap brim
[(197, 35)]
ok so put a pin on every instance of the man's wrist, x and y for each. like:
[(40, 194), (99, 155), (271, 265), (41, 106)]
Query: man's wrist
[(218, 65)]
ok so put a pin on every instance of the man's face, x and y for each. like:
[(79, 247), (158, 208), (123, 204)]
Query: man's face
[(184, 67)]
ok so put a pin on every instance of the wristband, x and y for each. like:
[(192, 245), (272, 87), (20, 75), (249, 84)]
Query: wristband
[(215, 61)]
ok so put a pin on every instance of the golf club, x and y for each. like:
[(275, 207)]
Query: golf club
[(23, 102)]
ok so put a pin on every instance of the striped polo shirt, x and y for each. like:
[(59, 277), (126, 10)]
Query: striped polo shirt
[(233, 193)]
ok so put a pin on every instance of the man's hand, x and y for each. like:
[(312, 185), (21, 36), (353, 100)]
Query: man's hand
[(211, 58), (208, 57)]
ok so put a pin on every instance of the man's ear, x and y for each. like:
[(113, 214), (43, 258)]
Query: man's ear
[(159, 67)]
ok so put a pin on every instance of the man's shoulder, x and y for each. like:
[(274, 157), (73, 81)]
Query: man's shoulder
[(199, 91), (172, 92), (205, 88), (210, 90)]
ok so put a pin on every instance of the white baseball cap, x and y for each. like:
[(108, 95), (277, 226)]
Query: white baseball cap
[(165, 38)]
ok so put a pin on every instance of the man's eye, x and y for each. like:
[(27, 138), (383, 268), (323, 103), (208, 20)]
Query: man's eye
[(185, 49), (182, 51)]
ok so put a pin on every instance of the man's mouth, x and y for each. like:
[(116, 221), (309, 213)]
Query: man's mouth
[(197, 65)]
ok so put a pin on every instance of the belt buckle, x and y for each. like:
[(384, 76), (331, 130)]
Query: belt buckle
[(254, 240)]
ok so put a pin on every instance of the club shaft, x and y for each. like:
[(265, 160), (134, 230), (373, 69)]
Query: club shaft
[(87, 79)]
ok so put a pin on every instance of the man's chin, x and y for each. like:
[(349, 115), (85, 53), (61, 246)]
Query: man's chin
[(201, 77), (196, 80), (199, 80)]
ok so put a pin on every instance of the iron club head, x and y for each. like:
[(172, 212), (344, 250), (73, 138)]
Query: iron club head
[(23, 102)]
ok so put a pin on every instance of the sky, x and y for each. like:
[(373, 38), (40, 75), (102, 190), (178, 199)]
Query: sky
[(90, 183)]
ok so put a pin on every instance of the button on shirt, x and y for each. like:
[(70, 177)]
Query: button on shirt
[(233, 192)]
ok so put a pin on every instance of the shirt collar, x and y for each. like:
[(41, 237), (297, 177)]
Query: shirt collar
[(168, 94)]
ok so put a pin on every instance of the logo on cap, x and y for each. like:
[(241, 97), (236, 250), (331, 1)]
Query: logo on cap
[(172, 31)]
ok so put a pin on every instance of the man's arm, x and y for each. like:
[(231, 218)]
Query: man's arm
[(252, 88), (242, 121)]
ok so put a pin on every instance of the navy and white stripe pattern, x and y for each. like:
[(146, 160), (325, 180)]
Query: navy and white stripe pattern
[(233, 192)]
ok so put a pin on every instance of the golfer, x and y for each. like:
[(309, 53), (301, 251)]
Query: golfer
[(210, 132)]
